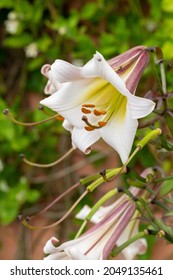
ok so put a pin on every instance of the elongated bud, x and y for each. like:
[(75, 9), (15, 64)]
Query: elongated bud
[(130, 65)]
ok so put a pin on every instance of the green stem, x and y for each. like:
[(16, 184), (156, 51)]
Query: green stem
[(100, 180), (163, 77), (91, 178), (155, 72), (149, 212), (128, 242), (163, 179), (148, 137)]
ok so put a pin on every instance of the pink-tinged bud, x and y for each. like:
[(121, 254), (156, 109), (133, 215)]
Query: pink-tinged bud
[(130, 66)]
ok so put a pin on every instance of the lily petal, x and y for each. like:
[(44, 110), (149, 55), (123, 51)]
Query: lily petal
[(140, 107), (50, 248), (119, 134), (65, 72), (68, 100), (83, 139), (67, 125)]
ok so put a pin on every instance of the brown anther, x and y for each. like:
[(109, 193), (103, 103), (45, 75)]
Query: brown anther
[(101, 124), (85, 111), (60, 118), (88, 128), (88, 105), (97, 113), (103, 112)]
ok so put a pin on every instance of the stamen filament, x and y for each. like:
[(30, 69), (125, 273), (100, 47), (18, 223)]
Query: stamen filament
[(49, 164), (58, 198), (25, 223), (100, 124), (41, 108), (10, 116)]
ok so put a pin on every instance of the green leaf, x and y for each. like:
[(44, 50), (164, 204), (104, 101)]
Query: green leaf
[(166, 187), (18, 41), (44, 43), (6, 3), (89, 11), (33, 195), (8, 210), (35, 63)]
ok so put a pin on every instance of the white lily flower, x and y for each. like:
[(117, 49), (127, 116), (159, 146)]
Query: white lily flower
[(95, 100), (98, 241)]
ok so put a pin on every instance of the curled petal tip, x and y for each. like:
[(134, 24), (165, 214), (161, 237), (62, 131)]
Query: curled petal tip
[(45, 68)]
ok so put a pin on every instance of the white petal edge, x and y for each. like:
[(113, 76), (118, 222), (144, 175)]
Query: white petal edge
[(140, 107), (63, 71), (83, 139)]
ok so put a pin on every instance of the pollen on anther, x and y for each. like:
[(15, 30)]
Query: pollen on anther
[(88, 128), (88, 105), (85, 111), (60, 118), (101, 124), (99, 113)]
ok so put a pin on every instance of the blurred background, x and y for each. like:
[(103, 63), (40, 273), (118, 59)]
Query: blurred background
[(36, 32)]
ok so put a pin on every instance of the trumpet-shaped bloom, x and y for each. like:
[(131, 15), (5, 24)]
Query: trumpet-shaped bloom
[(98, 102), (98, 242)]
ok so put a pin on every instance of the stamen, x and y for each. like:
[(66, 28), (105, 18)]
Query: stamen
[(99, 113), (59, 198), (41, 108), (100, 124), (60, 118), (88, 128), (10, 116), (88, 105), (85, 111), (46, 165), (25, 223)]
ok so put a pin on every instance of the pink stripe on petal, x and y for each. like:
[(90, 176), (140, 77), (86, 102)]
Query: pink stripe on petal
[(125, 219), (111, 216)]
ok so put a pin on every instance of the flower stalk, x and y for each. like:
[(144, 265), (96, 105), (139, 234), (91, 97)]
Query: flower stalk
[(120, 248)]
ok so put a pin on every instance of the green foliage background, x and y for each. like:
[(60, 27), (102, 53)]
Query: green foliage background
[(73, 31)]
